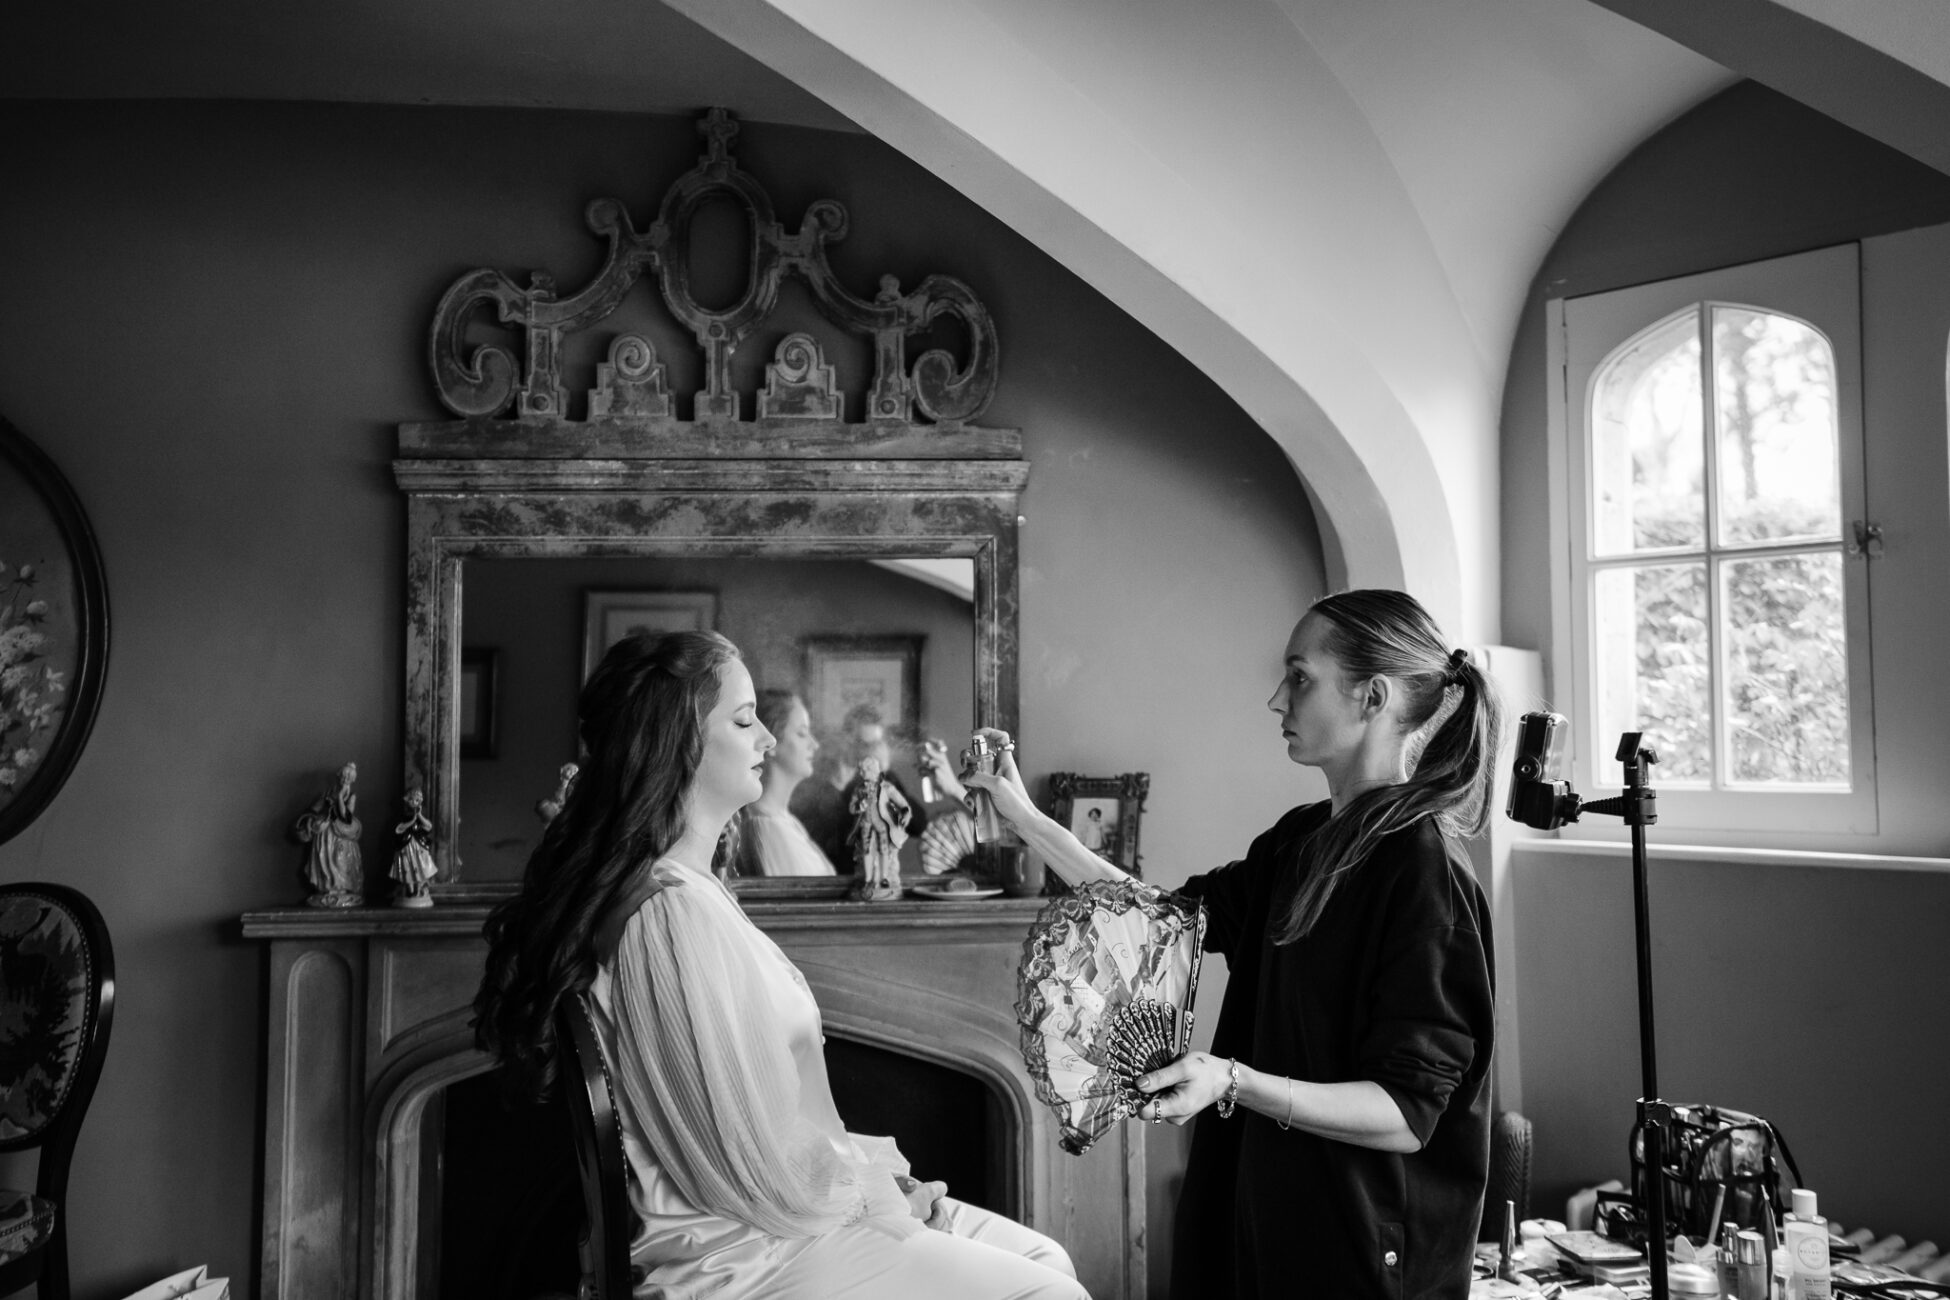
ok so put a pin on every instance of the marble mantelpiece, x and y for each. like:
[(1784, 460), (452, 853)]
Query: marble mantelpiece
[(367, 1019)]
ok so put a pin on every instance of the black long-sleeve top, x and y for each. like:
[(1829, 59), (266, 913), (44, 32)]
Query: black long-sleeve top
[(1393, 985)]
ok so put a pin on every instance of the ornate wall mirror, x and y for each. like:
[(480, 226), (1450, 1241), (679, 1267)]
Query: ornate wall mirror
[(849, 559)]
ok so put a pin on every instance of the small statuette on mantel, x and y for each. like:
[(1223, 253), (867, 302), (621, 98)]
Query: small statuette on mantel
[(548, 808), (413, 867), (330, 830), (880, 816)]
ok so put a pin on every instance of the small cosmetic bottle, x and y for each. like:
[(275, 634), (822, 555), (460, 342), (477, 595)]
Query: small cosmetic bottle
[(1750, 1266), (980, 757), (1807, 1247), (1729, 1264), (1510, 1257)]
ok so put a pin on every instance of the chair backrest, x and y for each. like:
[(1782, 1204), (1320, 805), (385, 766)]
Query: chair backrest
[(1509, 1181), (599, 1157), (57, 963)]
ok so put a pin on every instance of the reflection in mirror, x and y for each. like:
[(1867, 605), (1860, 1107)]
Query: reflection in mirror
[(897, 635)]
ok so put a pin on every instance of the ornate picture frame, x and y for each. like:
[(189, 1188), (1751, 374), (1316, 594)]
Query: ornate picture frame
[(53, 630), (1104, 812), (843, 672), (610, 615)]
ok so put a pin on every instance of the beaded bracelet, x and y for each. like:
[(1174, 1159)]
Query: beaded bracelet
[(1231, 1098)]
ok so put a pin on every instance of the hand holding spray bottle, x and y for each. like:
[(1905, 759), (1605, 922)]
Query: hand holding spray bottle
[(981, 756)]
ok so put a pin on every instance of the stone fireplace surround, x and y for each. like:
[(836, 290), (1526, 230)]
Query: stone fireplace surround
[(367, 1019)]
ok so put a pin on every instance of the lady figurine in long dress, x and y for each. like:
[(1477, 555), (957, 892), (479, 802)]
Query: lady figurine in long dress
[(745, 1181), (413, 861), (330, 830)]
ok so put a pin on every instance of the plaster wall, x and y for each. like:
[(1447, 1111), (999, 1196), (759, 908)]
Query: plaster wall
[(218, 314), (1313, 297), (1784, 986)]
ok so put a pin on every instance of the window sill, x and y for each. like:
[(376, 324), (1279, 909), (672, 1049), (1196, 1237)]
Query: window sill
[(1664, 852)]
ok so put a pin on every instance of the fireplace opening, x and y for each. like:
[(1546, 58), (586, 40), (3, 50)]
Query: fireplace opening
[(501, 1206), (949, 1124), (510, 1204)]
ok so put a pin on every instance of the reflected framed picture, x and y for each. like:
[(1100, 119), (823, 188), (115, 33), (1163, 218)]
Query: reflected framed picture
[(53, 630), (842, 673), (609, 616), (479, 670), (1103, 812)]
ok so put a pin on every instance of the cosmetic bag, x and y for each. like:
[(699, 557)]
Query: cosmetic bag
[(1722, 1166)]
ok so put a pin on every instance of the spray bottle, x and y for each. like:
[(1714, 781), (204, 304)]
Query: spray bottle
[(980, 756)]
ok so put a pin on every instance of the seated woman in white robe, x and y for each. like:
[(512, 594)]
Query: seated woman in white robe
[(776, 842), (743, 1179)]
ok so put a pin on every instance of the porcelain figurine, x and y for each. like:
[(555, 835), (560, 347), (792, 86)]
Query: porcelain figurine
[(548, 808), (413, 860), (879, 828), (330, 830)]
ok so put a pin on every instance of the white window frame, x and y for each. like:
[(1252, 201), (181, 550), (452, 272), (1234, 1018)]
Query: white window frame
[(1823, 289)]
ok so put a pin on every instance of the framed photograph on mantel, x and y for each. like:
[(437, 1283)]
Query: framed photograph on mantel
[(844, 672), (1103, 812), (609, 616)]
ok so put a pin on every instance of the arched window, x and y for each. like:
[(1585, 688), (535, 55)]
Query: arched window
[(1715, 449)]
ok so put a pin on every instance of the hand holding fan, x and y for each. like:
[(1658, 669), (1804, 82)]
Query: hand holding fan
[(1105, 995)]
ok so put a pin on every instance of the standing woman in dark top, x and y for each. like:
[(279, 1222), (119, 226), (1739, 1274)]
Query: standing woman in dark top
[(1341, 1143)]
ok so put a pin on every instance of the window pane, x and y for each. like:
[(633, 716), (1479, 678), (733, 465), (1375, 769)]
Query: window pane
[(1787, 669), (1774, 393), (1647, 443), (1652, 667)]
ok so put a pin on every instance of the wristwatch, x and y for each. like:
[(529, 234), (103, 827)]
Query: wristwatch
[(1231, 1097)]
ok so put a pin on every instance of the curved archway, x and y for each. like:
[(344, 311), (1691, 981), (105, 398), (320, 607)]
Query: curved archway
[(1303, 283)]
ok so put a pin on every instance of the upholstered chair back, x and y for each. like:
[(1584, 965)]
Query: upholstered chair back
[(49, 1004)]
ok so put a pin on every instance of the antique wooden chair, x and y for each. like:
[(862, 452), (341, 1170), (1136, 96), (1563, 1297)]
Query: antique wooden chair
[(57, 971), (1509, 1173), (605, 1245)]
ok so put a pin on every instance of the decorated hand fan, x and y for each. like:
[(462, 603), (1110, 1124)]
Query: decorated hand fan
[(947, 841), (1105, 995)]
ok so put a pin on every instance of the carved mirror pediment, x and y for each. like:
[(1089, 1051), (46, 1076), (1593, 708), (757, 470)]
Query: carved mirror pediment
[(790, 527)]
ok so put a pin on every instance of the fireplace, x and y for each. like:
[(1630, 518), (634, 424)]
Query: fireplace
[(371, 1065), (500, 1205)]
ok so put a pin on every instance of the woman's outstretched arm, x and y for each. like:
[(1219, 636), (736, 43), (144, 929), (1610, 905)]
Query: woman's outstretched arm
[(1359, 1111), (1062, 851)]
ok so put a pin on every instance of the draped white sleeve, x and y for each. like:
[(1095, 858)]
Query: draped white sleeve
[(720, 1067)]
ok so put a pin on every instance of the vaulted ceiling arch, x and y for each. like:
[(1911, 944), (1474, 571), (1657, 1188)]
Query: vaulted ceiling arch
[(1212, 171)]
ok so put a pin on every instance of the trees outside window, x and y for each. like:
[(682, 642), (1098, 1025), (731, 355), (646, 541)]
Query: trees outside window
[(1713, 432)]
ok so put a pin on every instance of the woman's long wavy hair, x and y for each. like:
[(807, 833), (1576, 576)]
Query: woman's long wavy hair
[(1453, 715), (641, 720)]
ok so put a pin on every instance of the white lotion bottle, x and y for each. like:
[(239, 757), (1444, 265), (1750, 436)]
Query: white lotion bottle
[(1807, 1250)]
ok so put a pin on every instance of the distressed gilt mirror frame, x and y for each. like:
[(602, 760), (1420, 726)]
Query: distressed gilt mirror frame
[(915, 478)]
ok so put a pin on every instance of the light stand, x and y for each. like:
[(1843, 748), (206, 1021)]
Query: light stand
[(1547, 804)]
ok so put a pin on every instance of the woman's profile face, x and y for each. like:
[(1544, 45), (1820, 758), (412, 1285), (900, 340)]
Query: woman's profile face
[(793, 759), (730, 772), (1320, 719)]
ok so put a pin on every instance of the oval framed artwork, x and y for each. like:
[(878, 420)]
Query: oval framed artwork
[(53, 630)]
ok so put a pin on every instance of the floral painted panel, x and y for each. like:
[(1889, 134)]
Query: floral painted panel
[(32, 683), (53, 629)]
